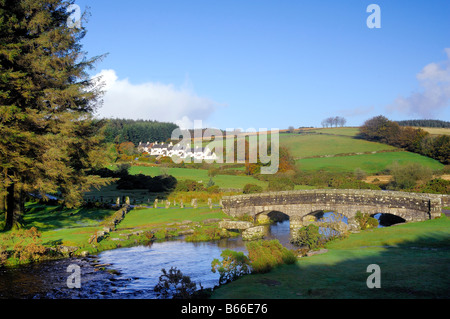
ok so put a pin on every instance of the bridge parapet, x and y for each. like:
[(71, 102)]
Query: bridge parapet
[(297, 204)]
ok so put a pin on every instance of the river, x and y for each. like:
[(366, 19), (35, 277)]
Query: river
[(137, 269)]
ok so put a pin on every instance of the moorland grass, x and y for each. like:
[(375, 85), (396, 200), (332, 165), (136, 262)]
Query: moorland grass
[(302, 146), (414, 259), (370, 163)]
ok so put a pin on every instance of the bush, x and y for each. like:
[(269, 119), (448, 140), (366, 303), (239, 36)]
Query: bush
[(407, 176), (189, 185), (365, 221), (437, 186), (215, 189), (252, 189), (28, 247), (281, 184), (265, 255), (307, 236), (174, 284), (3, 255), (359, 174), (207, 234), (152, 184), (233, 265)]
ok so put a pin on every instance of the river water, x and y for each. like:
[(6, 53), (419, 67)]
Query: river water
[(137, 269)]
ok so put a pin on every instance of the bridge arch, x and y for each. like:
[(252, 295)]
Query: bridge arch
[(270, 216), (386, 219)]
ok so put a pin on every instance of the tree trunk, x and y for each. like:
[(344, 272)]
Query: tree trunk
[(2, 203), (14, 206)]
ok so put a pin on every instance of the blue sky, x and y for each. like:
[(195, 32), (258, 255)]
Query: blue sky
[(270, 64)]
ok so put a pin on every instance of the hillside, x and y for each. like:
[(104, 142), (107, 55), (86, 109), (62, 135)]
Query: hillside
[(313, 145), (336, 150)]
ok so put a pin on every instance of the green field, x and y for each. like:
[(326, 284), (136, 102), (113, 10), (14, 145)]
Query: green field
[(370, 163), (151, 217), (302, 146), (346, 131), (413, 258), (223, 181)]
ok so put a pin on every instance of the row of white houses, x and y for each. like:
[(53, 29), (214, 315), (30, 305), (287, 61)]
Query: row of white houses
[(170, 150)]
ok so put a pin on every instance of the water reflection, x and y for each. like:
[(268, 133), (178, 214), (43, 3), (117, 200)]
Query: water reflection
[(143, 264)]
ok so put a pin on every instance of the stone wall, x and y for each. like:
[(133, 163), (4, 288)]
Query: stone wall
[(298, 204), (445, 200)]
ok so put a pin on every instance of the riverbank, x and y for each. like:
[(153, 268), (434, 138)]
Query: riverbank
[(414, 259), (76, 232)]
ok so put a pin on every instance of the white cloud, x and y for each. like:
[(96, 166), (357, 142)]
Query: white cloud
[(434, 96), (152, 101)]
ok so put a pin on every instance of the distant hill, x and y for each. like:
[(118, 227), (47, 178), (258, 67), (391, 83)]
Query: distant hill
[(425, 123)]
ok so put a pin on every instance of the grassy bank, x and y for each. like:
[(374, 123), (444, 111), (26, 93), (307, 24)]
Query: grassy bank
[(74, 228), (414, 260), (150, 218)]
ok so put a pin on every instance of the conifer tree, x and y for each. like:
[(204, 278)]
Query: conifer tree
[(49, 138)]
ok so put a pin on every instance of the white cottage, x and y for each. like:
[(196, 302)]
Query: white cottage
[(170, 150)]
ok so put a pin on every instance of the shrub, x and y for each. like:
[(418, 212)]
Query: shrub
[(233, 265), (281, 184), (265, 255), (189, 185), (213, 189), (207, 234), (174, 284), (307, 236), (3, 255), (365, 221), (252, 189), (407, 176), (359, 174), (29, 247), (153, 184), (437, 185)]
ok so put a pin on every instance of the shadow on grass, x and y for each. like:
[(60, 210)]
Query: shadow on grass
[(47, 218), (417, 269)]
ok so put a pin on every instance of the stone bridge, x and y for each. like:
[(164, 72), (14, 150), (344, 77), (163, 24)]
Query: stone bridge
[(299, 204)]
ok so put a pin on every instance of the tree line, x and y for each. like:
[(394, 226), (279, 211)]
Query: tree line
[(416, 140), (425, 123), (334, 121), (136, 131)]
